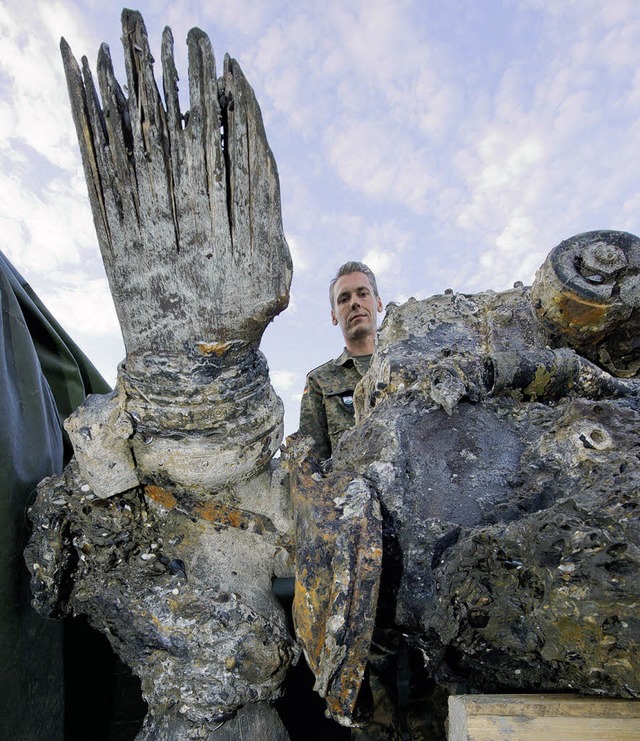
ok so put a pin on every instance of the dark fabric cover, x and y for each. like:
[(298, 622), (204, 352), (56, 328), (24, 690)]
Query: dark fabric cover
[(43, 377)]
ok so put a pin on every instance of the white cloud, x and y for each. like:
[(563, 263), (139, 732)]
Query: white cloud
[(44, 211), (548, 157), (87, 306), (316, 61), (299, 254), (370, 158), (379, 261), (389, 251), (283, 380), (246, 17), (42, 232), (36, 89)]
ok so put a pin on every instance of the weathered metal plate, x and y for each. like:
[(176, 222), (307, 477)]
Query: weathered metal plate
[(338, 530)]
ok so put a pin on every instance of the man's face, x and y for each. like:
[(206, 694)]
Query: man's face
[(355, 306)]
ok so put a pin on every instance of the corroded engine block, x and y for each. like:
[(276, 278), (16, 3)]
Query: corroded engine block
[(506, 469)]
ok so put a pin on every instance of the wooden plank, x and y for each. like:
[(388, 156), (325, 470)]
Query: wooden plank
[(186, 207), (548, 717)]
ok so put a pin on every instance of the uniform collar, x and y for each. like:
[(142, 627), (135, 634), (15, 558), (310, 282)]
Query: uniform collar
[(345, 356)]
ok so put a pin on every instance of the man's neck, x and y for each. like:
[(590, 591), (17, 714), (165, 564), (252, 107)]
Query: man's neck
[(365, 346)]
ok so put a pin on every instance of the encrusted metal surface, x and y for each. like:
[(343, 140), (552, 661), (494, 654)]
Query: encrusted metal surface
[(184, 599), (338, 532), (587, 295), (507, 470)]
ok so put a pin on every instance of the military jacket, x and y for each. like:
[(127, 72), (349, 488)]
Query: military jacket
[(326, 410)]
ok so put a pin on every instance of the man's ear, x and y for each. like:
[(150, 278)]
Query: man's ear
[(379, 305), (334, 319)]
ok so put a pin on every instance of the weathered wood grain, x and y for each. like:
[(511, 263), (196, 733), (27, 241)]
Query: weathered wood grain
[(187, 213), (535, 717), (186, 206)]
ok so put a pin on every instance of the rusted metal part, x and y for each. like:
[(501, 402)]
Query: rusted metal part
[(445, 355), (218, 513), (550, 600), (338, 530), (587, 295), (524, 493), (457, 341), (545, 375), (532, 430)]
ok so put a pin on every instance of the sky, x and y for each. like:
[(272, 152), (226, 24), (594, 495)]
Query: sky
[(446, 143)]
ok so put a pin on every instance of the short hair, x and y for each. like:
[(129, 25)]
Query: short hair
[(353, 267)]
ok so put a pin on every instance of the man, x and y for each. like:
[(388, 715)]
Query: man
[(326, 411)]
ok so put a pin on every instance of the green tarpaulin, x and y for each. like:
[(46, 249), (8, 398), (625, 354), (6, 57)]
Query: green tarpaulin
[(43, 377)]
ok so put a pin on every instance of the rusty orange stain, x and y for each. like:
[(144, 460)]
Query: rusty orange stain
[(216, 513), (213, 348), (223, 514), (336, 586), (161, 496), (580, 312)]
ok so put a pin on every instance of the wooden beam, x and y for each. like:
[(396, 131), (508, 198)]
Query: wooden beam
[(547, 717)]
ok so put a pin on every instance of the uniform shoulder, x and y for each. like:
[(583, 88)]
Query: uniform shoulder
[(322, 371), (331, 368)]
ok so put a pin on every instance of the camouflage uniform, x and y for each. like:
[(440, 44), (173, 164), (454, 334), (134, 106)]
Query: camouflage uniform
[(326, 411)]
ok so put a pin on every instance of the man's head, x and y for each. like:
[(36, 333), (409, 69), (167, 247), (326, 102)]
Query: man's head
[(347, 269), (354, 304)]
